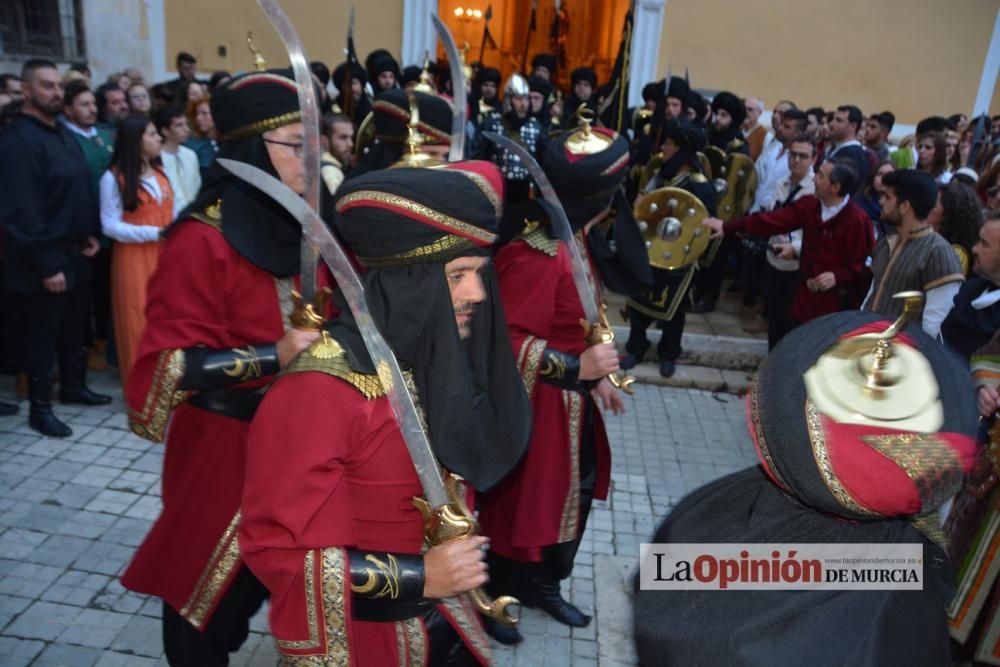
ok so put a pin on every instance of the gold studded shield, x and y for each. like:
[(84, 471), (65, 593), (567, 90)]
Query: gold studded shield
[(670, 221)]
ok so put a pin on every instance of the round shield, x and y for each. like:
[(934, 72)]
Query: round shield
[(741, 186), (670, 222), (366, 135)]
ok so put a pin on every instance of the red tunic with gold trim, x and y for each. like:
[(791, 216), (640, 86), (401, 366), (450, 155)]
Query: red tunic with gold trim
[(203, 293), (321, 481), (539, 504)]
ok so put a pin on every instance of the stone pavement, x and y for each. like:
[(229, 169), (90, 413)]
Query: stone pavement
[(72, 511)]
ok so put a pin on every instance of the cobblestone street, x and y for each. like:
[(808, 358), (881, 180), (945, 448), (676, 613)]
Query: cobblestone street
[(72, 511)]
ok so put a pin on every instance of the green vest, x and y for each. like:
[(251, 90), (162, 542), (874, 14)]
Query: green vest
[(97, 151)]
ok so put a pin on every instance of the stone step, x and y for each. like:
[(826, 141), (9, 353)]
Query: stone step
[(710, 351), (688, 376)]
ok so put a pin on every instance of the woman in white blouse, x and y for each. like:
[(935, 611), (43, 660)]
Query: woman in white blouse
[(136, 204)]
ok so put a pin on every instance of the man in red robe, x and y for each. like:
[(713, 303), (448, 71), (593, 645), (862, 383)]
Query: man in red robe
[(837, 239), (329, 524), (215, 335), (536, 518)]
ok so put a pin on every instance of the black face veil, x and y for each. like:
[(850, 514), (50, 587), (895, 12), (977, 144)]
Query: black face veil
[(405, 225)]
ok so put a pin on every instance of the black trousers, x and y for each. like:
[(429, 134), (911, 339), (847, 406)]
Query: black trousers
[(228, 628), (708, 281), (669, 347), (753, 271), (102, 294), (781, 287), (53, 323)]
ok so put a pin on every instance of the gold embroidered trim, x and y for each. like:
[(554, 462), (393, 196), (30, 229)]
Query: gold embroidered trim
[(928, 461), (446, 246), (465, 616), (485, 187), (384, 577), (312, 617), (539, 239), (224, 560), (647, 310), (758, 430), (338, 650), (163, 396), (817, 438), (410, 642), (616, 165), (568, 525), (529, 359), (206, 219), (265, 125), (411, 206), (404, 116), (369, 385)]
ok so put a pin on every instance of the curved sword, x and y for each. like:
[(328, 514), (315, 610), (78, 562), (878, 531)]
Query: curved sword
[(309, 106), (596, 327), (442, 503), (457, 150)]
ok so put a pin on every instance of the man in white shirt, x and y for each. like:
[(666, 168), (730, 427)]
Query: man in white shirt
[(179, 162), (772, 166), (337, 139)]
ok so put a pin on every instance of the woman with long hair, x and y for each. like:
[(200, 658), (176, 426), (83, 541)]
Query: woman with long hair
[(958, 217), (932, 156), (868, 198), (203, 140), (988, 186), (136, 204)]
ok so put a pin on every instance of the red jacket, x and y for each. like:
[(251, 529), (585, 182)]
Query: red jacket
[(841, 245)]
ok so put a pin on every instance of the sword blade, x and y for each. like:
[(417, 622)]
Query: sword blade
[(457, 150), (309, 106), (560, 223), (400, 400)]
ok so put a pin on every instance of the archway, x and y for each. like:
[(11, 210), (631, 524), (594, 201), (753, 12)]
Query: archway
[(590, 33)]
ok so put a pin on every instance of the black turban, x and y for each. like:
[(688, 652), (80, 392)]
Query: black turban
[(378, 61), (546, 60), (489, 74), (405, 225), (392, 116), (688, 137), (732, 104), (584, 74), (588, 178), (822, 481), (537, 84), (243, 109), (340, 75), (678, 87)]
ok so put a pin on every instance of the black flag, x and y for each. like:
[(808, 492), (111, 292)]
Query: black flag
[(612, 113), (487, 37)]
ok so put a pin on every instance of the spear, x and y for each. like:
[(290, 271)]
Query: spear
[(487, 37), (527, 36)]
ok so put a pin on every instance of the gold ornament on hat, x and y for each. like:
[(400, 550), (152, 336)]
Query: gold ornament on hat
[(873, 379), (258, 60), (426, 84), (584, 141), (414, 156)]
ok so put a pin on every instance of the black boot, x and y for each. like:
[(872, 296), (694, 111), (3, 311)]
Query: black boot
[(8, 409), (547, 597), (631, 360), (507, 635), (40, 416), (73, 381)]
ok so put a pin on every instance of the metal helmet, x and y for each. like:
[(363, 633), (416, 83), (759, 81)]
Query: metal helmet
[(517, 86)]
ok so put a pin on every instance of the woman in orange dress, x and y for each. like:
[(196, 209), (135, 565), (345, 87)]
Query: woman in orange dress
[(136, 204)]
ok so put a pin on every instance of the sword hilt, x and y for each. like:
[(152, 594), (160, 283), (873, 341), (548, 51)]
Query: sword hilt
[(454, 521), (309, 316), (601, 332)]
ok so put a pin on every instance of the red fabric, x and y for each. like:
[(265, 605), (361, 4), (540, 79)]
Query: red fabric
[(524, 513), (202, 293), (841, 245), (873, 479), (349, 484)]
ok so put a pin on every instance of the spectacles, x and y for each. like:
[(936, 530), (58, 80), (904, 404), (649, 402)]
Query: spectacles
[(297, 149), (799, 156), (994, 191)]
